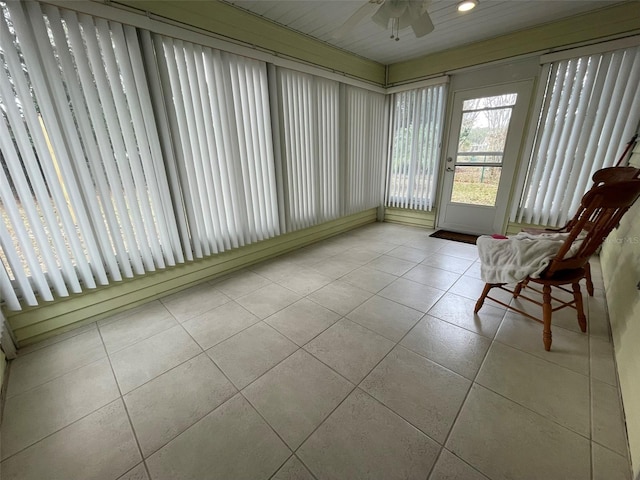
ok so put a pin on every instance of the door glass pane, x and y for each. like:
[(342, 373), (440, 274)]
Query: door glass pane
[(484, 130), (506, 100), (476, 185)]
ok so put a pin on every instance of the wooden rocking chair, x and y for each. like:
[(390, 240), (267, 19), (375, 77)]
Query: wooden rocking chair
[(600, 211), (604, 176)]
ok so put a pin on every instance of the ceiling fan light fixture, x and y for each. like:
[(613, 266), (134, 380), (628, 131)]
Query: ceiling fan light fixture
[(467, 5)]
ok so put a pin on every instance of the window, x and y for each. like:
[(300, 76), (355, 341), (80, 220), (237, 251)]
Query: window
[(591, 108), (220, 153), (308, 119), (365, 140), (416, 137), (123, 152), (82, 178)]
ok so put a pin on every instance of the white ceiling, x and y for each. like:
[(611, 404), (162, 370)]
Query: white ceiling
[(320, 18)]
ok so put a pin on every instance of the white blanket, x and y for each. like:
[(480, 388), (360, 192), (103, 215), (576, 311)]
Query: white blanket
[(513, 259)]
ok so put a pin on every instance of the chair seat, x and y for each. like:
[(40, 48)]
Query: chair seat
[(562, 277)]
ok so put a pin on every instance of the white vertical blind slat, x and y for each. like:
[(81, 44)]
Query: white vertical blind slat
[(19, 273)]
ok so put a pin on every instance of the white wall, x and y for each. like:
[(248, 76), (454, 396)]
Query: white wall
[(620, 259)]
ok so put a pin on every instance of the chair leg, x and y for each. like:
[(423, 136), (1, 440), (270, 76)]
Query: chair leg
[(480, 301), (546, 316), (587, 276), (577, 296), (519, 287)]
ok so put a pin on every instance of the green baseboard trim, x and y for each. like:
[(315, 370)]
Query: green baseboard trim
[(515, 227), (414, 218), (38, 323)]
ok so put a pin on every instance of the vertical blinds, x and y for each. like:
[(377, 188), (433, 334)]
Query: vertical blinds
[(308, 117), (124, 151), (365, 127), (82, 179), (416, 136), (591, 109), (220, 154)]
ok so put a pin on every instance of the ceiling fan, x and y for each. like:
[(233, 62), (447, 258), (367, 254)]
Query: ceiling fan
[(400, 14)]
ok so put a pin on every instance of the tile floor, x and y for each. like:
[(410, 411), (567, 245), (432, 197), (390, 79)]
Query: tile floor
[(357, 357)]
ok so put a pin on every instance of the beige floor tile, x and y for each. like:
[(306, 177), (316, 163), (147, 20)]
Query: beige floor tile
[(460, 250), (215, 326), (268, 300), (302, 321), (408, 253), (566, 318), (241, 283), (568, 349), (412, 294), (334, 268), (603, 367), (276, 269), (194, 301), (607, 422), (459, 311), (388, 318), (293, 470), (172, 402), (141, 322), (429, 245), (136, 473), (471, 288), (74, 332), (340, 297), (349, 349), (250, 353), (304, 281), (369, 279), (383, 244), (555, 392), (447, 262), (608, 465), (432, 276), (297, 395), (452, 347), (422, 392), (360, 255), (474, 271), (100, 446), (364, 439), (450, 467), (40, 366), (392, 265), (598, 317), (231, 442), (149, 358), (505, 440), (36, 413)]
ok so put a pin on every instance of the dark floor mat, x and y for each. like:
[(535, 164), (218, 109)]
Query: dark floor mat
[(456, 237)]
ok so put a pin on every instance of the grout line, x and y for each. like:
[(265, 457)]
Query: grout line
[(126, 409)]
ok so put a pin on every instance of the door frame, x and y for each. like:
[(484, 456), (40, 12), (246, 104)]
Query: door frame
[(524, 88)]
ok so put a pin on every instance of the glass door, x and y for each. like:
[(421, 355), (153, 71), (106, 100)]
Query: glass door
[(485, 136)]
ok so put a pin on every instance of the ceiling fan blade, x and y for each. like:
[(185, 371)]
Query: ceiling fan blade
[(351, 22), (422, 25)]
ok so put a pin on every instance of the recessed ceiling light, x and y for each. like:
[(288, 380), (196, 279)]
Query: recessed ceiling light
[(467, 5)]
